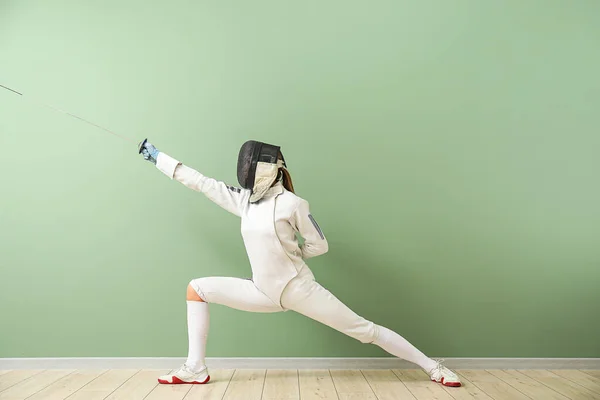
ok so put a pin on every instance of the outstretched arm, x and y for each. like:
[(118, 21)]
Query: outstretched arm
[(228, 197), (315, 242)]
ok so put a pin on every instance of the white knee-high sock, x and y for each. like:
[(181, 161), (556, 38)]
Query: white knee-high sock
[(396, 345), (198, 324)]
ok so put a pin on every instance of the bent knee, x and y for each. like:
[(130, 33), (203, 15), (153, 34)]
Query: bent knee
[(192, 294)]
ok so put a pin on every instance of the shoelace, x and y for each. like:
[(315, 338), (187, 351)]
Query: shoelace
[(190, 371), (186, 369), (438, 366)]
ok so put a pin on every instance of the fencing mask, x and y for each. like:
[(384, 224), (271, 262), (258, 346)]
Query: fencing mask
[(258, 166)]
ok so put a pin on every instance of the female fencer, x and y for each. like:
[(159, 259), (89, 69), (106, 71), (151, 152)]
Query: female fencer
[(271, 215)]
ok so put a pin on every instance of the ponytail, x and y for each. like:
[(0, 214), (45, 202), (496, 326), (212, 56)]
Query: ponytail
[(287, 179)]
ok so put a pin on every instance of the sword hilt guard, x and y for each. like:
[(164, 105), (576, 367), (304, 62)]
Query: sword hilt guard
[(141, 146)]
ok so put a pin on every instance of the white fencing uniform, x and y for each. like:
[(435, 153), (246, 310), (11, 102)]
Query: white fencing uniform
[(281, 280)]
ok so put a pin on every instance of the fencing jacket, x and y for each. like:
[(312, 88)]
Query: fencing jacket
[(268, 227)]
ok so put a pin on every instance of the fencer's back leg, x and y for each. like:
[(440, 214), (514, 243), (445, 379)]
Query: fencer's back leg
[(309, 298)]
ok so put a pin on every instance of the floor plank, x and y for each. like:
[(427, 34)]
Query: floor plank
[(316, 384), (138, 386), (420, 385), (67, 385), (592, 372), (300, 385), (215, 389), (13, 377), (386, 385), (492, 385), (579, 377), (34, 384), (526, 385), (281, 385), (561, 385), (351, 384), (246, 384), (104, 385)]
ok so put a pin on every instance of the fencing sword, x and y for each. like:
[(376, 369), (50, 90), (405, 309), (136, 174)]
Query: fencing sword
[(140, 145)]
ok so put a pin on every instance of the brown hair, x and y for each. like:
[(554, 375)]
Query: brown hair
[(287, 179), (284, 175)]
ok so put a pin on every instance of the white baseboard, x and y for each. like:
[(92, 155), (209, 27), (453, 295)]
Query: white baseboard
[(295, 363)]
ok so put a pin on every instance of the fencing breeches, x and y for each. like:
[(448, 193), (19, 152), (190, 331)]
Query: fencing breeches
[(303, 295), (307, 297)]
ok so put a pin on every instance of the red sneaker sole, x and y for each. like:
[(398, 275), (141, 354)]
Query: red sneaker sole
[(177, 381), (449, 384), (452, 384)]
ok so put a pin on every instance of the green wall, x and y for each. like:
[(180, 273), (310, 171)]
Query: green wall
[(449, 150)]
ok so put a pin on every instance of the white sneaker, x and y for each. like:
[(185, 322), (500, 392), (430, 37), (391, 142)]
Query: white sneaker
[(443, 375), (185, 375)]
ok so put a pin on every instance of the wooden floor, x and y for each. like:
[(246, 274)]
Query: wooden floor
[(303, 384)]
